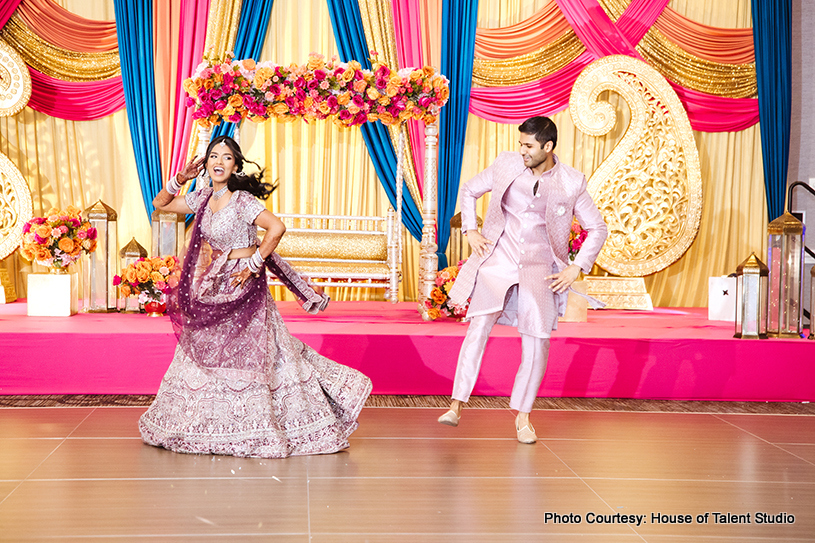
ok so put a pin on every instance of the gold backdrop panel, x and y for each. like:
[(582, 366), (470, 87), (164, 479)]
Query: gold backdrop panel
[(649, 189)]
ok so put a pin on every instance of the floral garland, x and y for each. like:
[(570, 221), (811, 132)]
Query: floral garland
[(343, 92), (58, 239)]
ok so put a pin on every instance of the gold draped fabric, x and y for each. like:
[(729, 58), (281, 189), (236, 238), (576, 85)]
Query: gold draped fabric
[(222, 27), (324, 169), (671, 60), (529, 67), (57, 62), (377, 21), (680, 66)]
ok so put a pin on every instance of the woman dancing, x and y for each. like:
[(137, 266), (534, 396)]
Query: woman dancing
[(240, 384)]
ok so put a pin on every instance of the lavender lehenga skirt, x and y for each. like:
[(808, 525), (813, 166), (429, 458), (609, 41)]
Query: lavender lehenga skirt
[(249, 388)]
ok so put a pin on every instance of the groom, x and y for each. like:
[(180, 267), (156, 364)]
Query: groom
[(519, 273)]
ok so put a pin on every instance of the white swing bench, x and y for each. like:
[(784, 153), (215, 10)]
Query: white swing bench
[(344, 251)]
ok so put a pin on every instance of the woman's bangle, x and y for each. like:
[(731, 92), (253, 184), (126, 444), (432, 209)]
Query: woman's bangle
[(255, 261), (173, 186)]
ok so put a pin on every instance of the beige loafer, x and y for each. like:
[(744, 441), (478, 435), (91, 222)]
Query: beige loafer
[(450, 418), (526, 434)]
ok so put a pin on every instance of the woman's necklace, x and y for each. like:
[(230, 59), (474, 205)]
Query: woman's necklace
[(217, 195)]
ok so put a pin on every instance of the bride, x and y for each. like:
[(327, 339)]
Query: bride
[(240, 384)]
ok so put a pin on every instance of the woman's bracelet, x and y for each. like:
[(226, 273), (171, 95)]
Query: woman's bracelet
[(255, 261), (173, 186)]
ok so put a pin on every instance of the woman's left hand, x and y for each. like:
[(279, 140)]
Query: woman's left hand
[(240, 278)]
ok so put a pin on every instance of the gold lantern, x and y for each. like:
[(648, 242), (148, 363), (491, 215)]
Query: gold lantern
[(130, 253), (99, 295), (786, 263), (168, 233), (751, 299)]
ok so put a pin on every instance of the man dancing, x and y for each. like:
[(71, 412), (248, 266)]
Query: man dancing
[(519, 272)]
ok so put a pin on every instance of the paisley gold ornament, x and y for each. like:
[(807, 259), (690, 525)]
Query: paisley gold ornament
[(649, 189), (15, 81)]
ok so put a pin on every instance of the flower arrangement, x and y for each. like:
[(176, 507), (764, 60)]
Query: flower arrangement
[(58, 239), (439, 304), (151, 279), (576, 238), (343, 92)]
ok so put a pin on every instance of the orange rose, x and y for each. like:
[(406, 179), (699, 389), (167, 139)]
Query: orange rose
[(373, 94), (125, 290), (157, 262), (66, 245), (438, 296), (428, 71), (429, 119), (236, 101), (383, 100), (433, 313), (142, 275), (444, 94), (416, 75), (280, 108), (248, 63), (324, 108), (392, 90), (27, 253), (386, 118), (73, 211), (156, 277), (169, 261), (129, 275), (348, 75), (344, 98), (43, 231)]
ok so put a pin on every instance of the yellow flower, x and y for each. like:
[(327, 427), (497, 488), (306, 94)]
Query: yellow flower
[(129, 275), (433, 313), (236, 101), (280, 108), (438, 296), (43, 231), (156, 277), (373, 94), (428, 71), (344, 98), (315, 63)]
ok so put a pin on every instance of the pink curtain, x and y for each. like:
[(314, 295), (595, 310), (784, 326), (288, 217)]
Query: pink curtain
[(67, 30), (192, 35), (75, 101), (603, 37), (7, 8), (408, 31)]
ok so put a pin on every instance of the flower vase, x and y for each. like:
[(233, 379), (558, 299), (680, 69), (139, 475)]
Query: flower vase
[(154, 308), (53, 294)]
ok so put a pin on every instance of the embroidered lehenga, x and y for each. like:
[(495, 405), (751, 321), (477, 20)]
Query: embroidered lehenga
[(240, 384)]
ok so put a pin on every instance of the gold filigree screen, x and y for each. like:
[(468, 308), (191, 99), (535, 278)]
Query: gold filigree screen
[(649, 189), (15, 197)]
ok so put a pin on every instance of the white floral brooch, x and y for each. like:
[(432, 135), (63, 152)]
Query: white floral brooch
[(560, 211)]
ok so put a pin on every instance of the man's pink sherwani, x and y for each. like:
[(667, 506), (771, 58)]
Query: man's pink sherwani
[(543, 240)]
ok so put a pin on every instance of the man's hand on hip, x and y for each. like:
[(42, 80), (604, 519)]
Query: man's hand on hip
[(563, 280), (478, 243)]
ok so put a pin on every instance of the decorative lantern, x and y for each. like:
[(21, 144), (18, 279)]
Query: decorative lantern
[(812, 303), (168, 233), (786, 263), (99, 296), (751, 299), (129, 254)]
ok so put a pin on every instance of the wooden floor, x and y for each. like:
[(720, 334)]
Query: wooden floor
[(83, 474)]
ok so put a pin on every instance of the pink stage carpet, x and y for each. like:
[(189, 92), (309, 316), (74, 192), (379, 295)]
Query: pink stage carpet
[(664, 354)]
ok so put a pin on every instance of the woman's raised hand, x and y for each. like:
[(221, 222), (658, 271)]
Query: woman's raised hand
[(191, 170)]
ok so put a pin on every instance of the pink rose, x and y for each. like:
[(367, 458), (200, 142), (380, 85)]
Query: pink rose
[(117, 280)]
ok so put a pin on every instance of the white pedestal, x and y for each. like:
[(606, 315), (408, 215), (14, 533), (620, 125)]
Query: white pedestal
[(52, 295), (721, 299)]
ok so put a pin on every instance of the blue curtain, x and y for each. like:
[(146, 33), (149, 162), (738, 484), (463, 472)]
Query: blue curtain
[(134, 29), (248, 42), (772, 39), (350, 36), (458, 24)]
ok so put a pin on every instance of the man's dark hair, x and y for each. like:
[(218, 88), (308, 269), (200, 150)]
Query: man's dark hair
[(542, 128)]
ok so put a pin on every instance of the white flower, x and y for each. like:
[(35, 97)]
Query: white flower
[(560, 211)]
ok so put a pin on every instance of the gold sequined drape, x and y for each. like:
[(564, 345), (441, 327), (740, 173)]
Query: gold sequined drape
[(57, 62)]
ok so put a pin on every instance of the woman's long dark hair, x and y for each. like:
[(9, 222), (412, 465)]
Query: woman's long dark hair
[(251, 183)]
